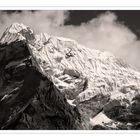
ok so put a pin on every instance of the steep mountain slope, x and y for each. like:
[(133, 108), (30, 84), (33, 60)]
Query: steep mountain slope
[(49, 82)]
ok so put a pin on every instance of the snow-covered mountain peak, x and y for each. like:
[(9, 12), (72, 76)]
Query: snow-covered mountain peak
[(66, 77), (16, 28), (15, 32)]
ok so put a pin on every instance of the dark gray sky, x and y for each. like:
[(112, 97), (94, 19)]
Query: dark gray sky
[(131, 18)]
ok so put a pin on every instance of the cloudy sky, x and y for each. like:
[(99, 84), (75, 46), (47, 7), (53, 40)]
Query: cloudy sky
[(114, 31)]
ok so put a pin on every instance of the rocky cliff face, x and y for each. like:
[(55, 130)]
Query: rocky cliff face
[(49, 82)]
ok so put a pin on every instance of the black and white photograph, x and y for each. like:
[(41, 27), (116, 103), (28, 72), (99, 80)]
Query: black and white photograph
[(69, 70)]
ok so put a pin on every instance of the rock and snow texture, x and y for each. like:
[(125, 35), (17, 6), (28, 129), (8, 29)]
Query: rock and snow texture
[(89, 89)]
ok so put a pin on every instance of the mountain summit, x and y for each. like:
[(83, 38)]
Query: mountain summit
[(49, 82)]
